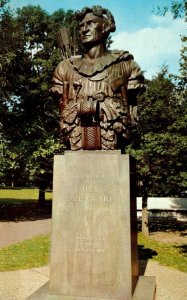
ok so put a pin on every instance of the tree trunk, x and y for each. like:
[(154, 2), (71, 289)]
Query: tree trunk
[(145, 227), (12, 180), (41, 198)]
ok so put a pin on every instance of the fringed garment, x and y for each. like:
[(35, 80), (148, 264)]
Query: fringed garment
[(104, 84)]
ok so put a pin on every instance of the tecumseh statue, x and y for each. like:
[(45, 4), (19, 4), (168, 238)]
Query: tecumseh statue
[(98, 89)]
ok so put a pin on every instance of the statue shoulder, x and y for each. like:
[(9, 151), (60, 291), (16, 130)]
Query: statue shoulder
[(66, 64), (64, 67), (63, 63), (122, 55), (87, 68)]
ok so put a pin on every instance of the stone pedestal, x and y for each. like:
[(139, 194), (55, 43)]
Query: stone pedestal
[(94, 240)]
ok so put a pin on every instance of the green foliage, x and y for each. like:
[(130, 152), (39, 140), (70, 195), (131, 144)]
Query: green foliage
[(3, 3), (160, 144), (173, 159), (177, 8), (39, 165), (28, 113)]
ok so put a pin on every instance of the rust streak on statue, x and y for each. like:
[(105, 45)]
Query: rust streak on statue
[(97, 89)]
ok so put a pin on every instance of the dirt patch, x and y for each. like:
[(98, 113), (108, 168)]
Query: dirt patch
[(176, 237), (12, 233)]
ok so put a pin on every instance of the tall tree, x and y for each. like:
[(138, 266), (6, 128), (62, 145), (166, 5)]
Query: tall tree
[(176, 7), (160, 144), (32, 126)]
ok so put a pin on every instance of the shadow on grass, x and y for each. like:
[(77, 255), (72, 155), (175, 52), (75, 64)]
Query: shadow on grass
[(24, 210), (182, 248), (143, 255), (166, 224), (15, 188), (183, 234)]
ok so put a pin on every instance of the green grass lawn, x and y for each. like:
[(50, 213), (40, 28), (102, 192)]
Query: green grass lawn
[(35, 253), (21, 204), (21, 195), (167, 254), (30, 253)]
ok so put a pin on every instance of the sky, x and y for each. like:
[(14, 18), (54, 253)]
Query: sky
[(154, 41)]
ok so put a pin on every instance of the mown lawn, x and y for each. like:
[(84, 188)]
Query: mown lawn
[(167, 254), (21, 204), (21, 195), (27, 254), (35, 253)]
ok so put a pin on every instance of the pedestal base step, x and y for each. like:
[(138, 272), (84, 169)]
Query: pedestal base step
[(145, 290)]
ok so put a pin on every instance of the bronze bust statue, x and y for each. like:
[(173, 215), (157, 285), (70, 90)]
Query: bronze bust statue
[(97, 89)]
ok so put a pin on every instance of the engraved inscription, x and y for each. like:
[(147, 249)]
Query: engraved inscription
[(91, 173), (89, 188), (89, 198), (83, 244), (89, 192)]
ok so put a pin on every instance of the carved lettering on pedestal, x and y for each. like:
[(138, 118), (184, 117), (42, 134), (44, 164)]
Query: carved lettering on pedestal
[(91, 198), (83, 244)]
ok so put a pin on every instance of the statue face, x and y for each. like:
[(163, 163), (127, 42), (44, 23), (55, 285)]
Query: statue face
[(91, 29)]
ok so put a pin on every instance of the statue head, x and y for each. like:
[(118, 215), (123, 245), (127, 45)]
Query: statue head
[(98, 21)]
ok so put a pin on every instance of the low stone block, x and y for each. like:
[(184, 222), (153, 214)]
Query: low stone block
[(145, 288), (93, 251), (94, 238)]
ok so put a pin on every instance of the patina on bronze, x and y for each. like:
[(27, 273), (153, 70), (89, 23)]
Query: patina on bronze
[(97, 89)]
